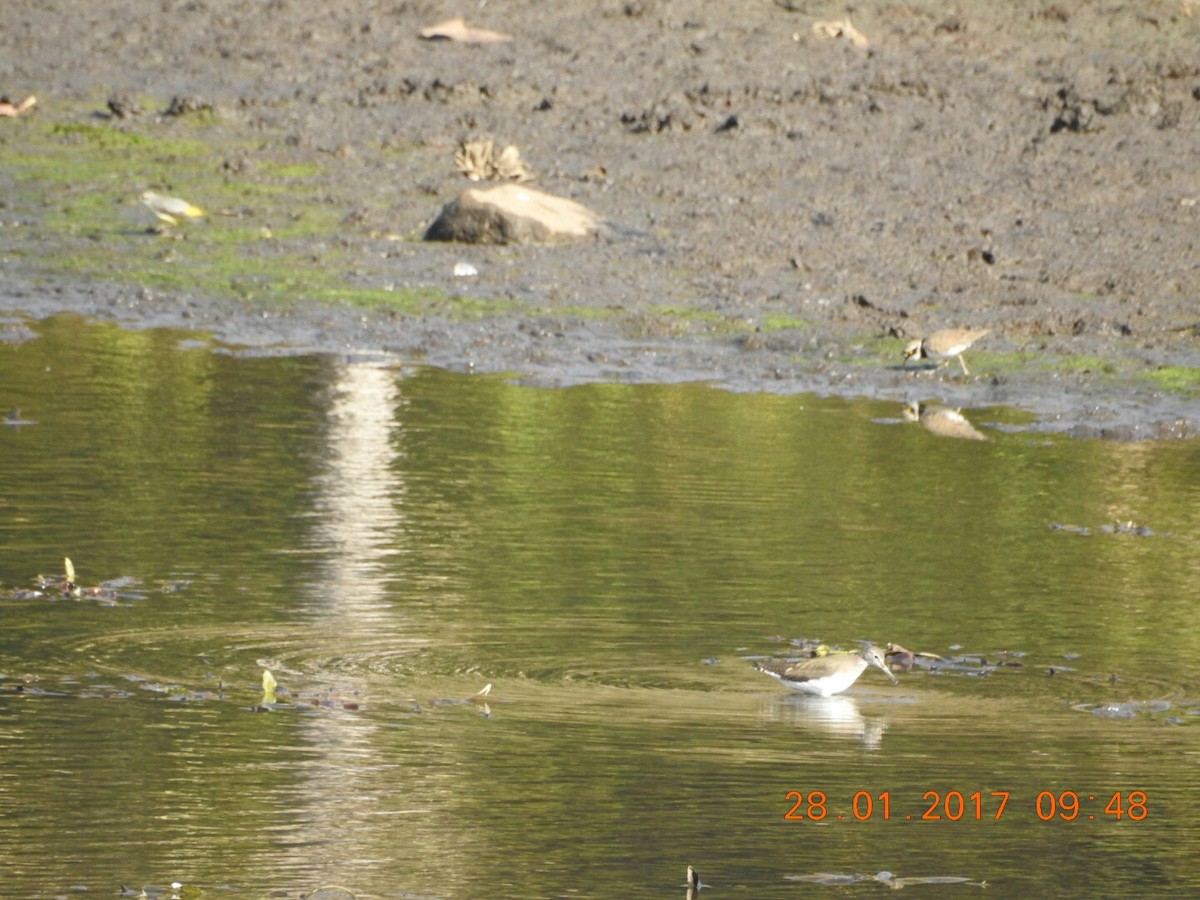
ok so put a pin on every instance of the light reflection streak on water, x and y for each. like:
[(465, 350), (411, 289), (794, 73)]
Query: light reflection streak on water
[(352, 800), (359, 500), (361, 492)]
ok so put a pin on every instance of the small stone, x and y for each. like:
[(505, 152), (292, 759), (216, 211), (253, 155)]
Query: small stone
[(511, 214)]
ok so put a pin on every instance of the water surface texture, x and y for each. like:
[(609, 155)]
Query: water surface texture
[(611, 559)]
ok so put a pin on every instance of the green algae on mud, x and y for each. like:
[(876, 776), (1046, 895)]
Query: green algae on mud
[(1178, 379), (270, 233)]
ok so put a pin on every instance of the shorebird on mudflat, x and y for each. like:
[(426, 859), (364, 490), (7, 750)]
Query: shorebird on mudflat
[(944, 345)]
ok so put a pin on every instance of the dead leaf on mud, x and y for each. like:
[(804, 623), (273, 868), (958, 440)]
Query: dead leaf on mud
[(458, 30), (842, 28), (479, 161), (11, 110)]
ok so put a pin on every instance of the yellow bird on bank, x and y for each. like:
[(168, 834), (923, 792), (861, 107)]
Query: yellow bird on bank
[(170, 209)]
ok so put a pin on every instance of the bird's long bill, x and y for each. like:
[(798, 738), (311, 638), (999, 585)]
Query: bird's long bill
[(886, 671)]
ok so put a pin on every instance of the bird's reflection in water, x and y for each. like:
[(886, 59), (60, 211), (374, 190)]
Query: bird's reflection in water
[(835, 716), (836, 879), (943, 421)]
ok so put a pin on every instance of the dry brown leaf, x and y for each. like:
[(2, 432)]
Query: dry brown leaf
[(842, 28), (510, 167), (12, 110), (479, 162), (457, 29)]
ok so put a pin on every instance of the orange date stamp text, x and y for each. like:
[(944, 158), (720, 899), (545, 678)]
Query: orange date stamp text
[(972, 806)]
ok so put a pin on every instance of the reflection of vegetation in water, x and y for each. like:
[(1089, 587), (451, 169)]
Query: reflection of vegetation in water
[(150, 425), (587, 550)]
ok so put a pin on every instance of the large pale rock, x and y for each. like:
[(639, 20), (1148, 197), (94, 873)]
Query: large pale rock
[(511, 214)]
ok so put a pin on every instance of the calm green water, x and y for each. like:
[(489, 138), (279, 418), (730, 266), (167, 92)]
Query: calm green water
[(610, 558)]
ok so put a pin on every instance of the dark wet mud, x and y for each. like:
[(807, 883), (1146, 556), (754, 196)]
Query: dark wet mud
[(785, 210)]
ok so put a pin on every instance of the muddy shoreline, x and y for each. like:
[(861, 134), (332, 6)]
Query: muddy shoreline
[(785, 209), (559, 352)]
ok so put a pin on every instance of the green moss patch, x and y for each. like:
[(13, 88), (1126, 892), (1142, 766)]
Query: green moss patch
[(1181, 379), (77, 181)]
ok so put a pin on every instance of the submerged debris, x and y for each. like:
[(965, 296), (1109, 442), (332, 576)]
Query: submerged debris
[(1127, 709), (834, 879), (1129, 527), (52, 587), (330, 892)]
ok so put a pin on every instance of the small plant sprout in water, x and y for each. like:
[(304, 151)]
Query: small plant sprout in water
[(268, 684), (480, 699), (481, 695), (68, 585)]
